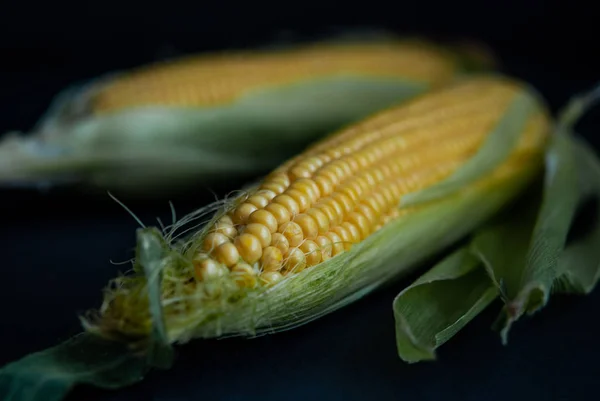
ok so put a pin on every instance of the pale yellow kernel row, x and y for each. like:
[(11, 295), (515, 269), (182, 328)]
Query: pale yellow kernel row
[(209, 80)]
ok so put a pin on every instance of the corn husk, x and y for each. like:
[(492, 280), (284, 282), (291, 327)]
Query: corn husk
[(146, 150), (441, 302), (521, 257), (579, 264)]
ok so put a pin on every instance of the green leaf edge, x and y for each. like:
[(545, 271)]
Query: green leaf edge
[(560, 198), (573, 150), (575, 260), (495, 149), (151, 253), (458, 264), (112, 365)]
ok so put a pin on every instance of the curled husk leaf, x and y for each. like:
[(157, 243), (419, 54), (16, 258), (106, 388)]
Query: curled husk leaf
[(520, 256)]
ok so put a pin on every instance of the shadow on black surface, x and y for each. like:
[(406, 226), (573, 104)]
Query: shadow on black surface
[(74, 200)]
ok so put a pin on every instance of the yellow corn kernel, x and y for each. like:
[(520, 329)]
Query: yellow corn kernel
[(301, 198), (244, 275), (294, 260), (345, 236), (281, 214), (249, 247), (325, 247), (337, 244), (289, 203), (309, 187), (213, 240), (275, 187), (207, 269), (361, 222), (311, 252), (265, 193), (320, 218), (258, 201), (261, 232), (227, 254), (271, 259), (280, 242), (243, 212), (225, 226), (292, 232), (270, 278), (308, 224), (264, 218)]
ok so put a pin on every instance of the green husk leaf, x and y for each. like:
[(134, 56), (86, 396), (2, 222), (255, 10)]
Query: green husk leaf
[(502, 245), (532, 280), (89, 359), (160, 353), (577, 107), (496, 148), (440, 303), (579, 265), (560, 197), (521, 251), (580, 262), (84, 359)]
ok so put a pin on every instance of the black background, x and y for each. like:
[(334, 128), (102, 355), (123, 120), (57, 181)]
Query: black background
[(55, 246)]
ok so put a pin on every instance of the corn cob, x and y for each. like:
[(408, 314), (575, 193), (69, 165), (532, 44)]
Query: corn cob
[(208, 81), (329, 225), (171, 123)]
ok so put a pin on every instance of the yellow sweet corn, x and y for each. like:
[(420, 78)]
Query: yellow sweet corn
[(334, 222), (169, 124), (213, 80)]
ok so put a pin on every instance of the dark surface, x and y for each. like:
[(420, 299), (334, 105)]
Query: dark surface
[(56, 245)]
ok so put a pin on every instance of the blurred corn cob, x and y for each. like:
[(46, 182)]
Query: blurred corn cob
[(330, 224), (209, 116)]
